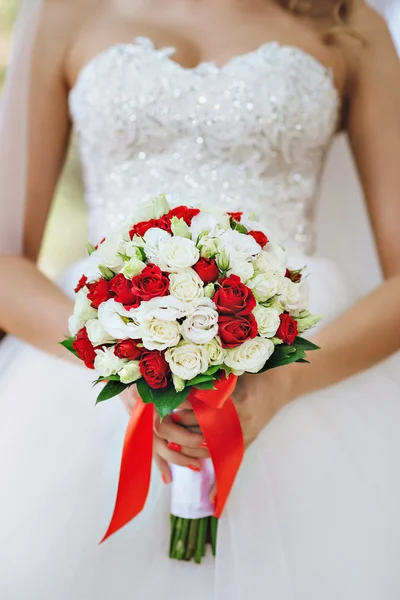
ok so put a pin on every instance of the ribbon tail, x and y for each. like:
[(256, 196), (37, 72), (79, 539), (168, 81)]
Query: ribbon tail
[(135, 472), (224, 437)]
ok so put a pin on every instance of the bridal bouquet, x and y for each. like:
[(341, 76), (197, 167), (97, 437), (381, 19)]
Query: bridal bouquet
[(180, 303)]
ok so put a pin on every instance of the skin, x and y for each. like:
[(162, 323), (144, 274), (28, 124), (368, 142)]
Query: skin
[(368, 78)]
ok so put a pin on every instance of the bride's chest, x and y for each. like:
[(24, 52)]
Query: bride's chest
[(134, 97)]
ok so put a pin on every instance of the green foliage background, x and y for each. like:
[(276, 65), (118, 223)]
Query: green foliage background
[(66, 235)]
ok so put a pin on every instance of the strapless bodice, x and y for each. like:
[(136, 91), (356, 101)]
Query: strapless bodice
[(250, 135)]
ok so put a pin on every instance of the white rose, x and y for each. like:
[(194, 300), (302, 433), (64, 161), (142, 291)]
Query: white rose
[(83, 312), (277, 252), (165, 308), (293, 296), (250, 357), (239, 246), (132, 268), (106, 363), (158, 334), (117, 321), (132, 248), (266, 262), (254, 225), (187, 360), (97, 334), (143, 211), (201, 325), (178, 253), (264, 286), (108, 252), (153, 238), (186, 285), (211, 225), (242, 269), (268, 320), (215, 352), (130, 372)]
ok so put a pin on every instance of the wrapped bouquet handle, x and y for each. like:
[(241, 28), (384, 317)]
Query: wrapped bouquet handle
[(218, 419)]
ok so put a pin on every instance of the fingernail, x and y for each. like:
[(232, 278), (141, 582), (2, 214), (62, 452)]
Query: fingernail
[(203, 445), (175, 418), (174, 447), (165, 479), (194, 468)]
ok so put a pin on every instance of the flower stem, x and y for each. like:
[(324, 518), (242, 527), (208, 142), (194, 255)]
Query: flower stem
[(192, 539), (214, 530), (173, 529), (174, 536), (180, 546), (202, 530)]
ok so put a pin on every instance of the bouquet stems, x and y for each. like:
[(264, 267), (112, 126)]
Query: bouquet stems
[(189, 538)]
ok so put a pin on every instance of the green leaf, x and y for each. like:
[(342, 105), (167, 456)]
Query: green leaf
[(282, 357), (205, 385), (67, 343), (235, 225), (200, 379), (304, 344), (109, 378), (90, 249), (106, 272), (145, 391), (111, 389), (213, 370), (167, 399), (303, 360)]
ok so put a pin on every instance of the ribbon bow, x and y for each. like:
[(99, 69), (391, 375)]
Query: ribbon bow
[(218, 419)]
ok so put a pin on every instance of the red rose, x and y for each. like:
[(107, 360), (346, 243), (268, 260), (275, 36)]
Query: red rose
[(99, 292), (237, 216), (183, 212), (128, 349), (236, 329), (81, 284), (142, 227), (288, 330), (164, 223), (84, 348), (234, 297), (207, 270), (122, 289), (260, 237), (154, 369), (294, 276), (150, 283)]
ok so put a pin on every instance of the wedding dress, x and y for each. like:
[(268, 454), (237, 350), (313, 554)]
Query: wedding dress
[(314, 513)]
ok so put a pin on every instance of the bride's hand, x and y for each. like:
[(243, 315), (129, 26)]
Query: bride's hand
[(179, 444), (258, 398)]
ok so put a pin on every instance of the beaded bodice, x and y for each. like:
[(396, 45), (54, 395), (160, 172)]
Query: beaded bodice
[(250, 135)]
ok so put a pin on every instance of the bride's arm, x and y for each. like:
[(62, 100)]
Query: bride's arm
[(31, 306), (370, 331)]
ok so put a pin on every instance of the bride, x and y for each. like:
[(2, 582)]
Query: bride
[(233, 102)]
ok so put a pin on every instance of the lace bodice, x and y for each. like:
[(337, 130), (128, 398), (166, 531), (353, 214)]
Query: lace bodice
[(251, 135)]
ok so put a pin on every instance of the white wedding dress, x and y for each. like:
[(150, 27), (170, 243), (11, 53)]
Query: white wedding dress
[(314, 513)]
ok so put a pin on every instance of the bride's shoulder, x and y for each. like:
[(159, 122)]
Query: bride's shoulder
[(368, 44)]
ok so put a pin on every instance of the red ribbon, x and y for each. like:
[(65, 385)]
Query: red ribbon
[(218, 419)]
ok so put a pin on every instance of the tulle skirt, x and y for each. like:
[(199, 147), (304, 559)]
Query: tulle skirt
[(314, 513)]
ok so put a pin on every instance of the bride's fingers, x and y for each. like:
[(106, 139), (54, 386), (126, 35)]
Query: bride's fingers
[(186, 418), (163, 467), (176, 458), (168, 430)]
